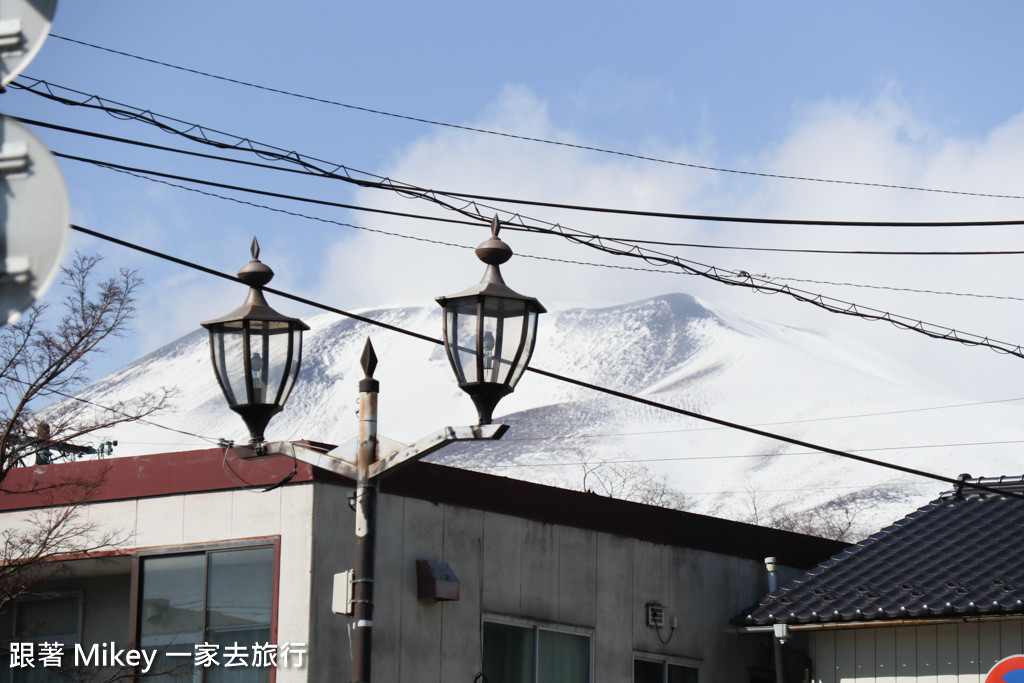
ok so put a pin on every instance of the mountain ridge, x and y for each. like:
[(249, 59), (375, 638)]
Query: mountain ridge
[(672, 349)]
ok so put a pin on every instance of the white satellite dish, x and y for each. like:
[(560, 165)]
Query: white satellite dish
[(34, 217), (24, 25)]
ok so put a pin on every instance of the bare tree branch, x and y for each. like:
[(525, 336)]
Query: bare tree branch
[(626, 481), (38, 363)]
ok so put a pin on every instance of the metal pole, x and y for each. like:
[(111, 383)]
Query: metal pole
[(366, 508), (773, 585)]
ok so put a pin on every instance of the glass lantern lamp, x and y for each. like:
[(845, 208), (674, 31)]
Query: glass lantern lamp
[(256, 352), (490, 331)]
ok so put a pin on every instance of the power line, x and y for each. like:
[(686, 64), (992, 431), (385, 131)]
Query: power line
[(711, 272), (733, 278), (309, 200), (132, 418), (308, 170), (750, 456), (563, 378), (526, 138), (447, 220), (768, 424)]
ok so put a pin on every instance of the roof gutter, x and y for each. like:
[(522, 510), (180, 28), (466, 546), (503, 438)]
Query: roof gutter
[(836, 626)]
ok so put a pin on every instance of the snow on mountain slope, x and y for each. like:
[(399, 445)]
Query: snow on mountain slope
[(669, 349)]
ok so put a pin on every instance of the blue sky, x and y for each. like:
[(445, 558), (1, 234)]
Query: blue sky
[(913, 93)]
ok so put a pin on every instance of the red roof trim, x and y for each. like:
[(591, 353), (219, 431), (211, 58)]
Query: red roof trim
[(143, 476), (201, 471)]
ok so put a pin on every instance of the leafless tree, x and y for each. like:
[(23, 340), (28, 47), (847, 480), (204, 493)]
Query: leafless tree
[(58, 529), (45, 363), (626, 481), (840, 519), (44, 359)]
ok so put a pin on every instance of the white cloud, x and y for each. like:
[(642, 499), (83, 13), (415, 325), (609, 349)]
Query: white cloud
[(881, 139)]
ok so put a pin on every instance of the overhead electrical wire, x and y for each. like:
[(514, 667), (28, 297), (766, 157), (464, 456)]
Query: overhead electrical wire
[(563, 378), (111, 409), (455, 221), (526, 138), (833, 418), (750, 456), (390, 185), (929, 329), (143, 175), (610, 246), (309, 200)]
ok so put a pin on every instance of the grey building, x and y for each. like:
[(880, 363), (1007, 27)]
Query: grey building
[(478, 578)]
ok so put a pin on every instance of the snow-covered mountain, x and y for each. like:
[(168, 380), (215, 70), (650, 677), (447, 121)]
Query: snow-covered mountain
[(671, 349)]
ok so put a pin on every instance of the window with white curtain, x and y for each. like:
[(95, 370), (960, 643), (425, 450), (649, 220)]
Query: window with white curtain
[(523, 652)]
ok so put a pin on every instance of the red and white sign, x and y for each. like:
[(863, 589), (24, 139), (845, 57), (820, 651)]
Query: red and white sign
[(1009, 670)]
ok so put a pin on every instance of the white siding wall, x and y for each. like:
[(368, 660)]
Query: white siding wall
[(185, 520), (944, 653)]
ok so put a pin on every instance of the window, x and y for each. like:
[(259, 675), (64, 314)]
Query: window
[(532, 653), (52, 620), (220, 597), (656, 670)]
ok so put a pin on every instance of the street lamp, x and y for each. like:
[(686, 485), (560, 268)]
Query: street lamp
[(490, 331), (256, 352)]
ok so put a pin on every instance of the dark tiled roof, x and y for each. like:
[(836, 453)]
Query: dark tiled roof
[(959, 556)]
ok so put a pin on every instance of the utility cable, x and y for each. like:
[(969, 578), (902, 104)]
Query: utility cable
[(309, 200), (768, 424), (734, 278), (749, 456), (313, 165), (449, 220), (145, 175), (132, 418), (564, 378), (526, 138)]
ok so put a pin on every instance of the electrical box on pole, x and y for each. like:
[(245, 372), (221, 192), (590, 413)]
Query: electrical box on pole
[(341, 602)]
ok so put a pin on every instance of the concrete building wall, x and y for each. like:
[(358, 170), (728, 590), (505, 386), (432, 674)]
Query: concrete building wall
[(546, 574)]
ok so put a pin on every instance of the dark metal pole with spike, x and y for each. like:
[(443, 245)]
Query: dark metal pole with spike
[(366, 521)]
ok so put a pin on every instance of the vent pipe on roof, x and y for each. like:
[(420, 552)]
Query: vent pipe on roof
[(773, 585)]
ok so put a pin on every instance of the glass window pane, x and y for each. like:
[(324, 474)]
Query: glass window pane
[(293, 369), (240, 584), (531, 338), (508, 653), (463, 341), (227, 361), (48, 620), (171, 610), (562, 657), (647, 672), (239, 594), (681, 674)]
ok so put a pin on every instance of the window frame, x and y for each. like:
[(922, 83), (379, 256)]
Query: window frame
[(205, 549), (77, 595), (667, 661), (536, 626)]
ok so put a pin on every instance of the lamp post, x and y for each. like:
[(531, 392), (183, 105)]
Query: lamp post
[(490, 330), (489, 334), (256, 352)]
